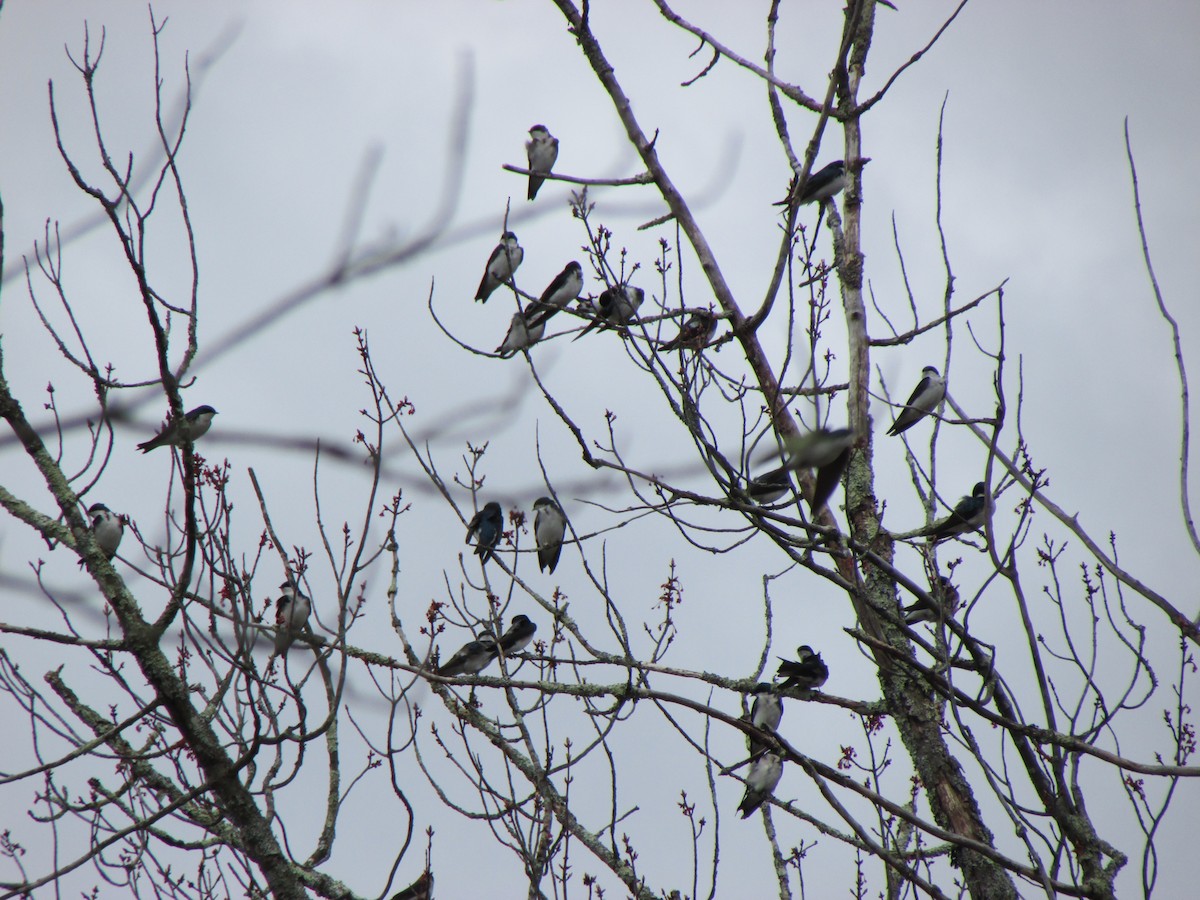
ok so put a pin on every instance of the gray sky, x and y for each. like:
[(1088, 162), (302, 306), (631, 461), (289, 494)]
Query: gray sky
[(1035, 190)]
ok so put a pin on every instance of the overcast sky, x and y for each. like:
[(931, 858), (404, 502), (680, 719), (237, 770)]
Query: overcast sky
[(1036, 190)]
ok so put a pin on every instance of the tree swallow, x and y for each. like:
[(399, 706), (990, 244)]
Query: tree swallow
[(520, 632), (945, 597), (807, 673), (822, 185), (500, 265), (765, 714), (194, 424), (421, 889), (694, 334), (541, 150), (769, 487), (761, 780), (562, 290), (471, 659), (107, 529), (969, 514), (828, 451), (525, 330), (549, 526), (485, 530), (927, 395), (615, 306), (291, 615)]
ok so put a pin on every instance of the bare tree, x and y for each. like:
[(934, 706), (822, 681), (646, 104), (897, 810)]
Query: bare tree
[(984, 762)]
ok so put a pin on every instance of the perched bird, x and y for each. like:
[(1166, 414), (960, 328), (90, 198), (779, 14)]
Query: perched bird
[(764, 774), (769, 487), (945, 603), (820, 186), (485, 528), (421, 889), (695, 333), (620, 304), (541, 150), (615, 306), (500, 265), (765, 714), (825, 183), (928, 394), (969, 514), (107, 529), (562, 290), (524, 331), (194, 424), (471, 659), (520, 632), (291, 615), (828, 451), (549, 526), (807, 673)]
